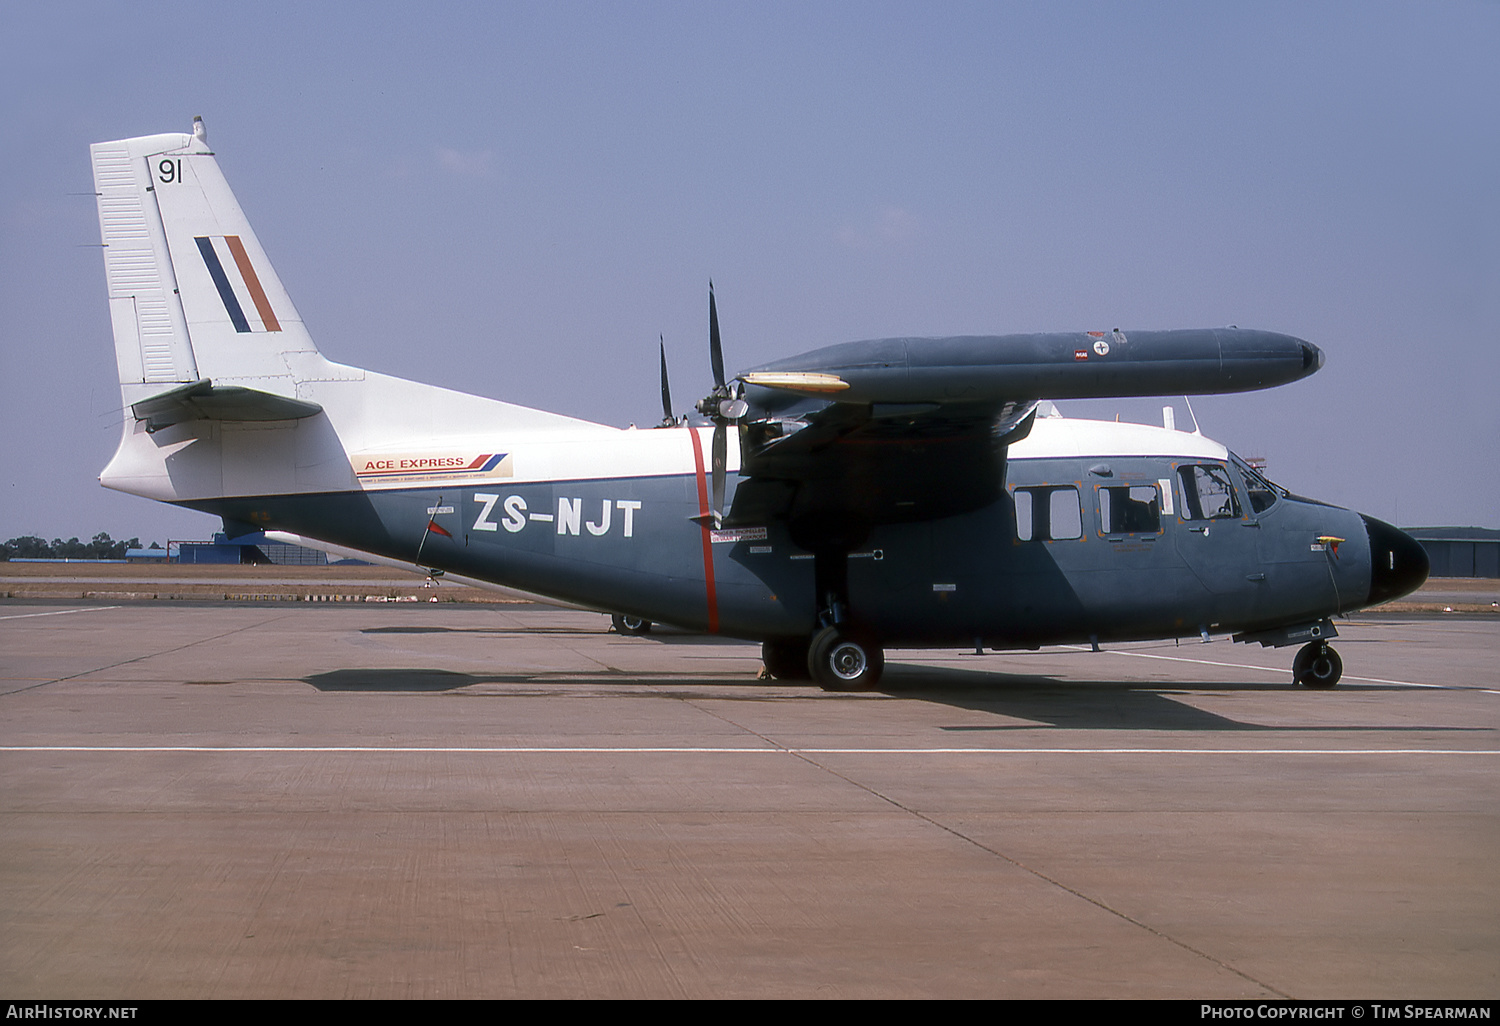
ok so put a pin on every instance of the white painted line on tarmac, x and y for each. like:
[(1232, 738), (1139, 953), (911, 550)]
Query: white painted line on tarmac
[(60, 612), (691, 750)]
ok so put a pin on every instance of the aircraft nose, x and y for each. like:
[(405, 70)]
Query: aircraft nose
[(1398, 563)]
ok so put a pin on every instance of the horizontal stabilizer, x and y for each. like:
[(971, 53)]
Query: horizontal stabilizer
[(203, 400)]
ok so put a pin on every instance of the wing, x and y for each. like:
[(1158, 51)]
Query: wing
[(865, 433), (841, 468)]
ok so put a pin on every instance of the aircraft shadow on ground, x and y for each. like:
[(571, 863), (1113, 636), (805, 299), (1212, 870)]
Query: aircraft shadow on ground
[(409, 680), (1083, 705), (1037, 700), (540, 632), (660, 635)]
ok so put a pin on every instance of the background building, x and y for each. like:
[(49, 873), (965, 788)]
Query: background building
[(1460, 551)]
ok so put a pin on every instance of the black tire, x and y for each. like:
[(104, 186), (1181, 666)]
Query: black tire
[(1317, 666), (786, 658), (844, 662), (626, 624)]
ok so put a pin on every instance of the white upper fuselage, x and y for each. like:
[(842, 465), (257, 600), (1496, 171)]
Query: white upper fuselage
[(380, 433)]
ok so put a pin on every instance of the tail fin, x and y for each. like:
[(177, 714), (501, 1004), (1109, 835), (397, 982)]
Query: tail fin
[(225, 393), (191, 293)]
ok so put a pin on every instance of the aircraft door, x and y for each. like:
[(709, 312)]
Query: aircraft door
[(1217, 537), (1139, 583)]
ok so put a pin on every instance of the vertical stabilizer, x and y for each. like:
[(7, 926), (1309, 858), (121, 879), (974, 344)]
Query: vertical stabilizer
[(191, 293), (224, 392)]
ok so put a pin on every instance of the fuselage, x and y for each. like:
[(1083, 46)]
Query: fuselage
[(1103, 531)]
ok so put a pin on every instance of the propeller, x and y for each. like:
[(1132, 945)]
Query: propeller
[(667, 420), (715, 349), (722, 406)]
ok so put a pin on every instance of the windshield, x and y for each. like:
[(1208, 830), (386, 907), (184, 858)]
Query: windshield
[(1262, 493)]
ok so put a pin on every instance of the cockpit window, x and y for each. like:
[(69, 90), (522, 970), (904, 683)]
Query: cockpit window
[(1207, 493), (1263, 494)]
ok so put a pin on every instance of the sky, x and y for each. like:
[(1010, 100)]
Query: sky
[(517, 199)]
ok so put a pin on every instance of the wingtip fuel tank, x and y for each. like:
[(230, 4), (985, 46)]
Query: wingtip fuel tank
[(1058, 365)]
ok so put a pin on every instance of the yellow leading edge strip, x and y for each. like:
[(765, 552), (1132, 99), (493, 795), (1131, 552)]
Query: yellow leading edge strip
[(799, 382)]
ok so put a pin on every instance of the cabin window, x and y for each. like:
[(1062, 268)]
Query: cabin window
[(1130, 509), (1048, 513), (1207, 493)]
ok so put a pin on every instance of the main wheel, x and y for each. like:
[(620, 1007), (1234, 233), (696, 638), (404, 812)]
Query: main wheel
[(627, 624), (844, 662), (785, 659), (1317, 665)]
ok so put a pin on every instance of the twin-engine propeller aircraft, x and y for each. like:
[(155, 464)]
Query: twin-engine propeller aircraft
[(900, 492)]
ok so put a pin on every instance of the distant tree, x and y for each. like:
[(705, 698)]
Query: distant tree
[(105, 547), (27, 547), (101, 547)]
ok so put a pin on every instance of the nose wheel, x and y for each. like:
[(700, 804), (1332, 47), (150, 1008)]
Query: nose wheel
[(1317, 666), (627, 624)]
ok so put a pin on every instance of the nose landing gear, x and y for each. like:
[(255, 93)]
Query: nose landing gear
[(627, 624), (1317, 666)]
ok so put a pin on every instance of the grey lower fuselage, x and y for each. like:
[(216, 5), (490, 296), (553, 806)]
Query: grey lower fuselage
[(629, 545)]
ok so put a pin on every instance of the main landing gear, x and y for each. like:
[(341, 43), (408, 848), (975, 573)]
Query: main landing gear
[(842, 661), (834, 659), (786, 658), (1317, 666), (838, 656)]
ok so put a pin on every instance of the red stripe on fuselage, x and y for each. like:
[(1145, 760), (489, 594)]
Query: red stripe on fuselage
[(708, 544)]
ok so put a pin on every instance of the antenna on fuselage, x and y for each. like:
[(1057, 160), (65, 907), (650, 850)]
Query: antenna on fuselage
[(1192, 416), (432, 527)]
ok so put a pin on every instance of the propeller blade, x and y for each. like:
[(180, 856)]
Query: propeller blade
[(666, 391), (715, 351), (720, 461)]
